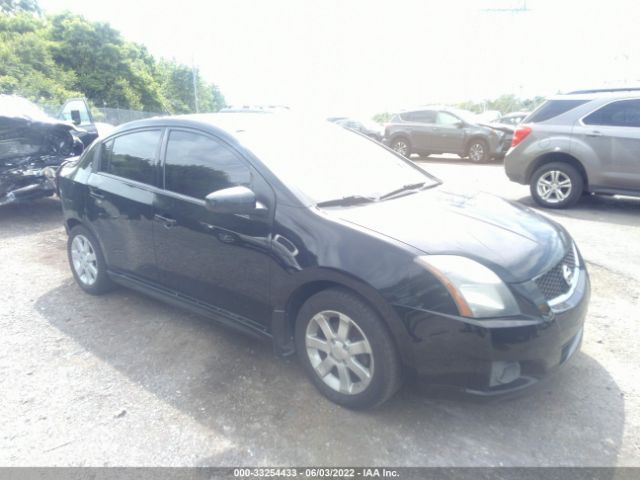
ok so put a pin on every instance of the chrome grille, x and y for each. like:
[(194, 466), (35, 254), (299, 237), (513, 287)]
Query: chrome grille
[(552, 284)]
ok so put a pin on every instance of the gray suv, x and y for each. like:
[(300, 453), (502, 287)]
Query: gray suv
[(579, 143), (432, 130)]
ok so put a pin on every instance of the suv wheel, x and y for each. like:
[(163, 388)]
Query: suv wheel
[(556, 185), (346, 350), (87, 262), (402, 146), (478, 151)]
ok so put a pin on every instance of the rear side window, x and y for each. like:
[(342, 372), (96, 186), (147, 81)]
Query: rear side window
[(424, 116), (553, 108), (625, 113), (197, 165), (132, 156)]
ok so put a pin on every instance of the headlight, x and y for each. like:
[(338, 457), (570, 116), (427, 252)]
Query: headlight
[(477, 291)]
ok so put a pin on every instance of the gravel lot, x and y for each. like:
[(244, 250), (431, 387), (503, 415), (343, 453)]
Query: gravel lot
[(124, 380)]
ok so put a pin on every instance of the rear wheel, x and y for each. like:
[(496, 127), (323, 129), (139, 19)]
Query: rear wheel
[(402, 146), (87, 262), (556, 185), (347, 350)]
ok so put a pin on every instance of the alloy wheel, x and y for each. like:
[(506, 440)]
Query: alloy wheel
[(554, 186), (339, 352), (401, 147), (476, 152), (84, 260)]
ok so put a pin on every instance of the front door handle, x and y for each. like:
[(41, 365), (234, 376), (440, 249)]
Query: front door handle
[(594, 133), (167, 221), (95, 193)]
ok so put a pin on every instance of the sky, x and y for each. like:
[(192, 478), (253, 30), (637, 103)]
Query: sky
[(360, 57)]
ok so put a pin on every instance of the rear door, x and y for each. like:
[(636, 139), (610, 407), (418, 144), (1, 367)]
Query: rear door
[(422, 129), (120, 203), (613, 132), (219, 259)]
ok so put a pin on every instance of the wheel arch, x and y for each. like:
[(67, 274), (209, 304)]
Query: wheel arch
[(298, 296), (557, 157)]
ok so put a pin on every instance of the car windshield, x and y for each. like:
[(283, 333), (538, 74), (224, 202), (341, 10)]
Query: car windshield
[(326, 162)]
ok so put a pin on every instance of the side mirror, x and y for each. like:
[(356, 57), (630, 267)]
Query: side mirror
[(75, 117), (232, 200)]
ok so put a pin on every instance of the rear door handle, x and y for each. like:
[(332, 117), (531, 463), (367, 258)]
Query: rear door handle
[(167, 221), (594, 133)]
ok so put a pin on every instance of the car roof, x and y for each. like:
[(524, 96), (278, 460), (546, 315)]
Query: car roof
[(608, 95)]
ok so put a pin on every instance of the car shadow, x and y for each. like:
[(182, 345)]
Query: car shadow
[(623, 211), (20, 219), (267, 412)]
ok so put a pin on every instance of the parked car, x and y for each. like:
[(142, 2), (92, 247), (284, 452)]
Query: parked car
[(330, 245), (432, 130), (32, 146), (78, 112), (513, 119), (368, 128), (576, 144)]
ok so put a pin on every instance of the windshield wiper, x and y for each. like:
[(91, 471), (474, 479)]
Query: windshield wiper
[(405, 188), (346, 201)]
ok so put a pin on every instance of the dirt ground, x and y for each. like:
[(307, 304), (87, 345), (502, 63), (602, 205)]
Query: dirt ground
[(125, 380)]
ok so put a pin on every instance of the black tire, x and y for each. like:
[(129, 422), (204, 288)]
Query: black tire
[(401, 145), (566, 171), (478, 151), (383, 361), (102, 283)]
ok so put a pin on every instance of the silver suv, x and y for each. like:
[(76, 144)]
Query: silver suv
[(584, 142)]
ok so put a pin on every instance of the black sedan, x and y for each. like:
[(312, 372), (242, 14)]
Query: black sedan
[(329, 245)]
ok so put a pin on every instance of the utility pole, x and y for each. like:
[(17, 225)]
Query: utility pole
[(195, 85)]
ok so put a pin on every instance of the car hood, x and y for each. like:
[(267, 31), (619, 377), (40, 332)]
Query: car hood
[(514, 241)]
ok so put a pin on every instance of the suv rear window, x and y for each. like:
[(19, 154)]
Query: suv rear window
[(553, 108)]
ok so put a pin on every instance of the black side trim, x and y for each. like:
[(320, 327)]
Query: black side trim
[(236, 322), (614, 191)]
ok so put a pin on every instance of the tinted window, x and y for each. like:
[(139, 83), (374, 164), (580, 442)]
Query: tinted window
[(132, 156), (625, 113), (425, 116), (197, 165), (553, 108), (445, 118)]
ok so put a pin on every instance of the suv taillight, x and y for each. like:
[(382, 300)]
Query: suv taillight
[(519, 135)]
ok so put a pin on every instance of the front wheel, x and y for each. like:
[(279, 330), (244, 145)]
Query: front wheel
[(347, 350), (556, 185), (478, 151)]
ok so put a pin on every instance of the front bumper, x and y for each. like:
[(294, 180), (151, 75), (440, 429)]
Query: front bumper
[(505, 355)]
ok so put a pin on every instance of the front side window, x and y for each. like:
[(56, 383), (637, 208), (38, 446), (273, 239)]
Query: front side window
[(197, 165), (132, 156), (445, 118), (625, 113)]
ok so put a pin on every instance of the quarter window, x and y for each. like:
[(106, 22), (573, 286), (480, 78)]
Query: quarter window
[(625, 113), (132, 156), (197, 165)]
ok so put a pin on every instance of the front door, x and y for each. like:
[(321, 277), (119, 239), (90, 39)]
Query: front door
[(450, 134), (219, 259)]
